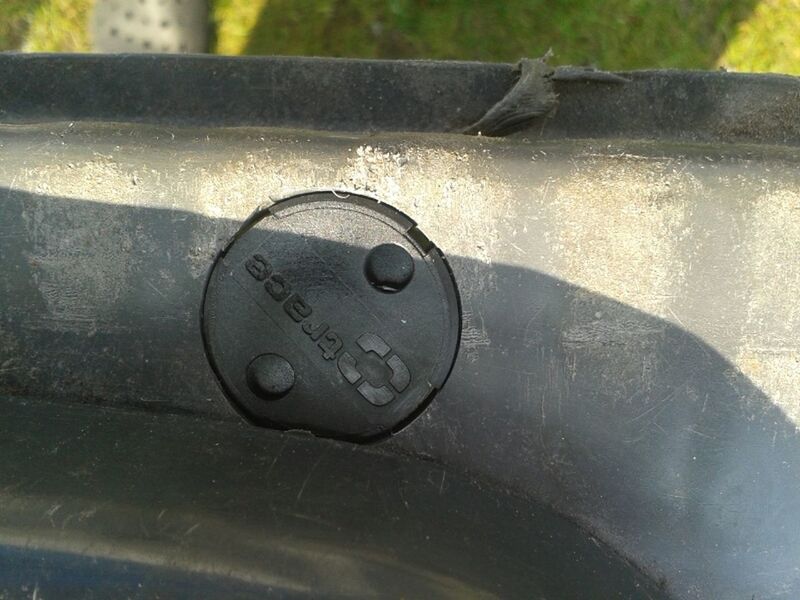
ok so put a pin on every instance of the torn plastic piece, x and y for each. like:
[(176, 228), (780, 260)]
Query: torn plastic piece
[(531, 97)]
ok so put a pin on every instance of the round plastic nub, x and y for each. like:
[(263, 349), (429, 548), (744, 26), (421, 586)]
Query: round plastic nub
[(270, 376), (389, 267)]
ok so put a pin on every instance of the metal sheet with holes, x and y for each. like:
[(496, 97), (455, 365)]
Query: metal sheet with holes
[(169, 26)]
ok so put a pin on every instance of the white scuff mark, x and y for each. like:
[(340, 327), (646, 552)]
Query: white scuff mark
[(768, 352), (308, 477), (77, 298), (609, 332), (474, 335), (776, 372), (621, 226), (452, 192)]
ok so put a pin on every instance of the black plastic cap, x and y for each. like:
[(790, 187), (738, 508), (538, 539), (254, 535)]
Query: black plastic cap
[(334, 314)]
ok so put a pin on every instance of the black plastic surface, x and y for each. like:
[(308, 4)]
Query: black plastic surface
[(100, 503), (379, 95), (645, 434), (646, 424), (302, 289)]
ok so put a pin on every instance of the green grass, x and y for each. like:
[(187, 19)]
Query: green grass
[(15, 19), (616, 34), (44, 25), (762, 35), (769, 40)]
